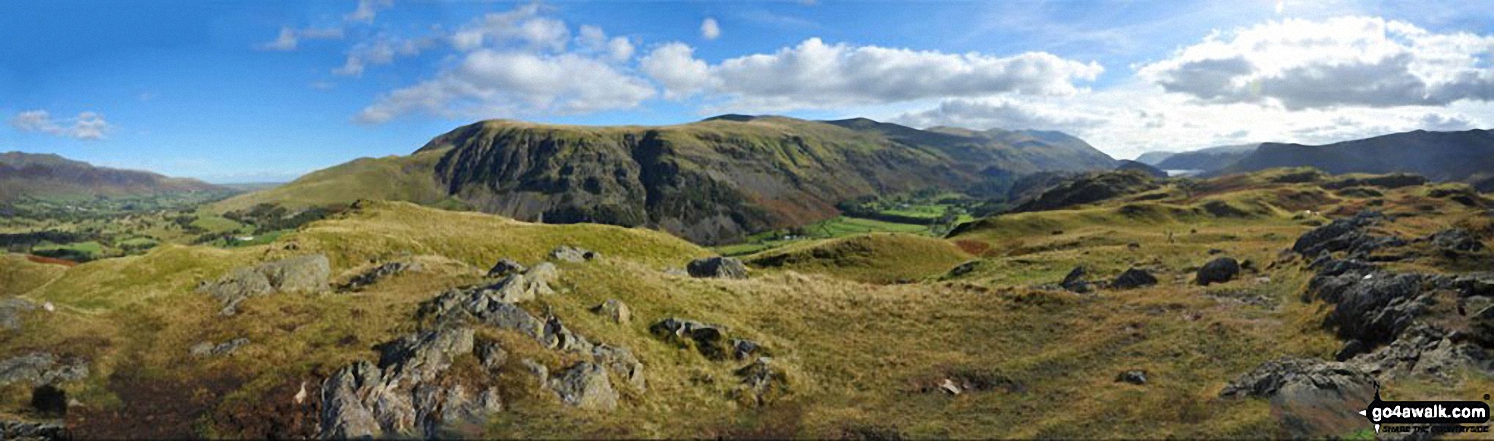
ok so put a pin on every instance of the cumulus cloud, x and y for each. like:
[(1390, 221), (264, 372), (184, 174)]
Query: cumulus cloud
[(89, 126), (491, 83), (290, 38), (709, 29), (523, 25), (996, 114), (1346, 61), (594, 40), (814, 74), (367, 10)]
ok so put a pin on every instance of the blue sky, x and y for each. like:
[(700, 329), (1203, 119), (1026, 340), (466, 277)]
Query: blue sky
[(256, 91)]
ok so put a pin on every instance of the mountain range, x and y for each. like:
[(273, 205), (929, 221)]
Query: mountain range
[(711, 181), (49, 175)]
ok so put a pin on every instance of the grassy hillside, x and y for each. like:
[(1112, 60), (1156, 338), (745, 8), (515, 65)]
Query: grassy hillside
[(396, 178), (857, 359), (713, 182), (1440, 156)]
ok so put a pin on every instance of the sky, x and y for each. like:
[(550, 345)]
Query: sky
[(238, 91)]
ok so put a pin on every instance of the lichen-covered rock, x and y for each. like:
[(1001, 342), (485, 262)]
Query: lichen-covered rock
[(1422, 350), (762, 383), (402, 395), (586, 386), (208, 349), (307, 273), (11, 311), (717, 267), (621, 362), (41, 368)]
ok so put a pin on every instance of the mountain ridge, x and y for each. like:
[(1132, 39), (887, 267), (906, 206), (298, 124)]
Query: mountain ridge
[(45, 174)]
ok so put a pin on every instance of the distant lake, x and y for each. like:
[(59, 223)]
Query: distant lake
[(1171, 173)]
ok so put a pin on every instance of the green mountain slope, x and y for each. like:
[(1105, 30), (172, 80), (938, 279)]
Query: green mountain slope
[(711, 181), (52, 176)]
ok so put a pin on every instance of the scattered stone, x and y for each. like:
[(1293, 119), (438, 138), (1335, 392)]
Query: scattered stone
[(742, 349), (1133, 278), (1218, 270), (357, 283), (677, 272), (615, 310), (586, 386), (307, 273), (48, 307), (208, 349), (1133, 246), (505, 267), (949, 386), (1134, 377), (1075, 281), (622, 362), (717, 267), (573, 254), (11, 310)]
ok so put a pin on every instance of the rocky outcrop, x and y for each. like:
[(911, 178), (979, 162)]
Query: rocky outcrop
[(1219, 270), (762, 382), (717, 267), (32, 430), (208, 349), (1455, 240), (41, 368), (402, 396), (372, 276), (1425, 351), (1349, 235), (307, 273), (1309, 397), (11, 311), (505, 267), (1133, 278), (709, 340)]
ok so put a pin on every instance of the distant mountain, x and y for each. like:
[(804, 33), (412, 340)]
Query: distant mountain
[(1440, 156), (1154, 158), (1126, 164), (1206, 159), (49, 175), (711, 181)]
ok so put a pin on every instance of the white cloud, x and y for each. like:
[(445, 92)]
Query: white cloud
[(997, 114), (489, 83), (522, 25), (674, 66), (290, 38), (1346, 61), (594, 40), (89, 126), (380, 50), (709, 29), (816, 75), (367, 10)]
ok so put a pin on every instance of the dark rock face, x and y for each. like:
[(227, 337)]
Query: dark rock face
[(1373, 308), (1075, 281), (1133, 278), (710, 340), (717, 267), (1219, 270), (49, 400), (296, 274), (1348, 234), (1308, 396)]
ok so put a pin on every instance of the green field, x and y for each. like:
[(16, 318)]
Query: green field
[(827, 229)]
